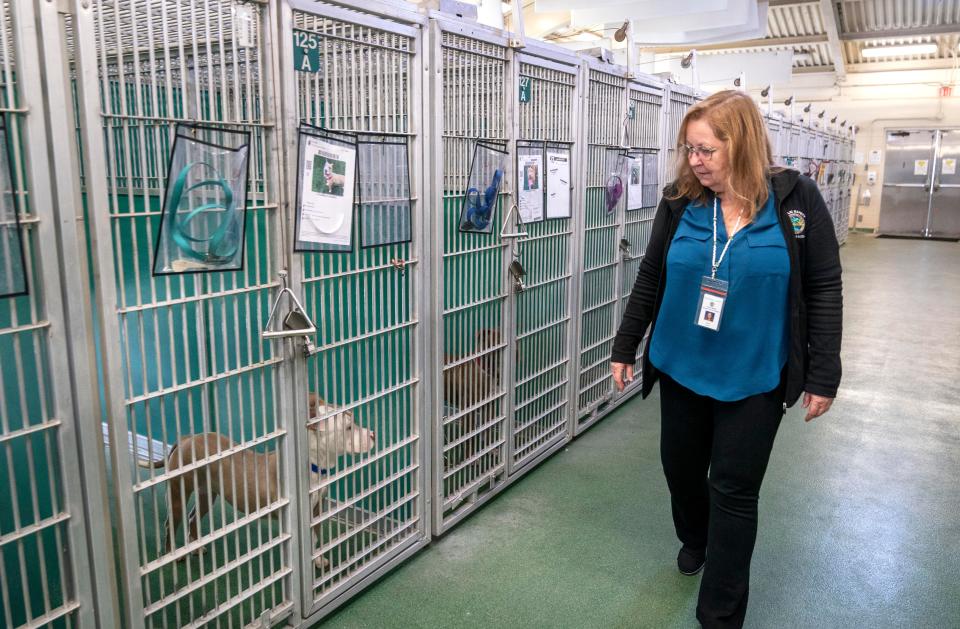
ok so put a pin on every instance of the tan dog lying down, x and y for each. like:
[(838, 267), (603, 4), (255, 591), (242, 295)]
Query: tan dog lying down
[(473, 381), (249, 480)]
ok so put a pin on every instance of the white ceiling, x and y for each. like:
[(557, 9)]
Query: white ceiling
[(828, 35)]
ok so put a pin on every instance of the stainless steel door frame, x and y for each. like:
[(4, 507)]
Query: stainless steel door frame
[(943, 220), (649, 99), (603, 113), (659, 110)]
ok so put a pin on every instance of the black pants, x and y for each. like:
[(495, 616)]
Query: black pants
[(719, 512)]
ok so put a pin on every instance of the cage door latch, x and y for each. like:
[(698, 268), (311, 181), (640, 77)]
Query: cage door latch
[(517, 272), (296, 323)]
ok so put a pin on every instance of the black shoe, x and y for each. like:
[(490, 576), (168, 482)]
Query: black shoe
[(691, 561)]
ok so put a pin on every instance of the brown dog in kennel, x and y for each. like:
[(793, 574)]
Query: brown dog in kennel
[(246, 478), (466, 384)]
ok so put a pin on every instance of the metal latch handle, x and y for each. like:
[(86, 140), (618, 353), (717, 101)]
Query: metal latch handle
[(518, 272)]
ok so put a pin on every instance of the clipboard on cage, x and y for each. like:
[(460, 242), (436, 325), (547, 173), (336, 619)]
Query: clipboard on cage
[(202, 223), (13, 266), (484, 183)]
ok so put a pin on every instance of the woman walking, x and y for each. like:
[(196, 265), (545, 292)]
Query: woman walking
[(741, 288)]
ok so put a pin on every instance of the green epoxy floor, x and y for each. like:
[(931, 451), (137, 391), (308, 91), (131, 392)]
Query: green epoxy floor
[(859, 514)]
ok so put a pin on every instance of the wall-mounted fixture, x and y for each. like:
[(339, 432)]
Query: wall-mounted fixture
[(621, 33)]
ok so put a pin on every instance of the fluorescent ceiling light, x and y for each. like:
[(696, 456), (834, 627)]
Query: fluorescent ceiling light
[(900, 50), (734, 13)]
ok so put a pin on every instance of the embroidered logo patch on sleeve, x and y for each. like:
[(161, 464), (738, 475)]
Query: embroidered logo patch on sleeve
[(799, 221)]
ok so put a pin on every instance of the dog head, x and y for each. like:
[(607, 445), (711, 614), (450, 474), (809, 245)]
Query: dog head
[(336, 434), (487, 337), (328, 170)]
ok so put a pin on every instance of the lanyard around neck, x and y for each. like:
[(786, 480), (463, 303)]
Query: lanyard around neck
[(715, 261)]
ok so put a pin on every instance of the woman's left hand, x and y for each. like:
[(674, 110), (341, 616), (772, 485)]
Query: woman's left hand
[(816, 405)]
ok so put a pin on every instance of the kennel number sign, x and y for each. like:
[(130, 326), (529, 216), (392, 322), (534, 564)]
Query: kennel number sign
[(526, 91), (306, 51)]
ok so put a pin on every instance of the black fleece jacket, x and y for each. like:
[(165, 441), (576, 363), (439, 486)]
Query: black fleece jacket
[(815, 295)]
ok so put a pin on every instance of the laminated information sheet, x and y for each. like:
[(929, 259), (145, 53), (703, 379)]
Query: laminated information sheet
[(326, 191)]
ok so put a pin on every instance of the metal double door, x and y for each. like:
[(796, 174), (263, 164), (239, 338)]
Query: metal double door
[(921, 188)]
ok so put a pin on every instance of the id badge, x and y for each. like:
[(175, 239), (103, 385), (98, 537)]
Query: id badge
[(713, 295)]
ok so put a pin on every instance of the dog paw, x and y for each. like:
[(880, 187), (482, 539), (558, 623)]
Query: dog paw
[(321, 562)]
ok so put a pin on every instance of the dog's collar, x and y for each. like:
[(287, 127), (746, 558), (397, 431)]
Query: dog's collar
[(322, 471)]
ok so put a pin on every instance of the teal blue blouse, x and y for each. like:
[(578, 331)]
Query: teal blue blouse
[(747, 354)]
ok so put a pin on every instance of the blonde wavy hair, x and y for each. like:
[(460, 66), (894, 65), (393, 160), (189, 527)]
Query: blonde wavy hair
[(735, 120)]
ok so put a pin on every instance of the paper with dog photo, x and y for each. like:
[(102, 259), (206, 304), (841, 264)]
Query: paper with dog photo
[(635, 185), (327, 179), (558, 184), (530, 176)]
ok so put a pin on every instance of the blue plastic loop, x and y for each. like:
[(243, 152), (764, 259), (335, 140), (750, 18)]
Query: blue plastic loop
[(480, 208), (223, 243)]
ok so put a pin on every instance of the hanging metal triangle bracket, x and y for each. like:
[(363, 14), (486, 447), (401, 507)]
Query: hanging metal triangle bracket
[(295, 323), (506, 223)]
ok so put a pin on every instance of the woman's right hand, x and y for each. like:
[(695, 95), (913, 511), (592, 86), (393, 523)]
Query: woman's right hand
[(622, 374)]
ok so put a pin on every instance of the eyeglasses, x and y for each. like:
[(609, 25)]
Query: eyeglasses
[(705, 152)]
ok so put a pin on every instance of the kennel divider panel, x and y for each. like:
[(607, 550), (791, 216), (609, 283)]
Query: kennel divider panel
[(645, 141), (774, 127), (183, 354), (681, 99), (544, 312), (604, 116), (51, 464), (471, 101), (368, 307)]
